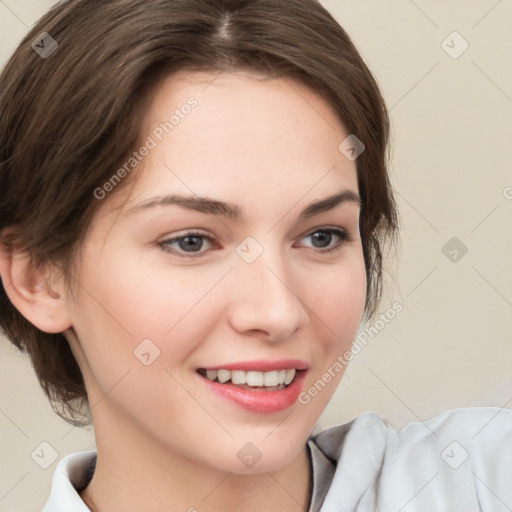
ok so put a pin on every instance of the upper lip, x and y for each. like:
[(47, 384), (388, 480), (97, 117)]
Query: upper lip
[(262, 365)]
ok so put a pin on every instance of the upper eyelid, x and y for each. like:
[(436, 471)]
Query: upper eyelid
[(198, 232)]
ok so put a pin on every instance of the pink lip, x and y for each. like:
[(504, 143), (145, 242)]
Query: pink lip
[(262, 366), (259, 401)]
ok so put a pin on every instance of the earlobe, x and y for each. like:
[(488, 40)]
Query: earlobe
[(31, 291)]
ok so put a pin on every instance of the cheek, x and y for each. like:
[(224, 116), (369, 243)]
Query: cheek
[(339, 301), (129, 301), (337, 297)]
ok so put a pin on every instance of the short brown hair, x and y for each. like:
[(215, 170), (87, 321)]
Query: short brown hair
[(68, 120)]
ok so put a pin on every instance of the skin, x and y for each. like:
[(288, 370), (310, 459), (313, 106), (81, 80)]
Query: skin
[(164, 441)]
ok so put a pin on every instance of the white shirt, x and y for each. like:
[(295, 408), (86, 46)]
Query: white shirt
[(458, 461)]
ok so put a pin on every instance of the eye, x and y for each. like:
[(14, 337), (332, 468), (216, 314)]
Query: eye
[(328, 239), (190, 244)]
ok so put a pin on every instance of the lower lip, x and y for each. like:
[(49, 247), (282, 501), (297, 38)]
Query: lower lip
[(260, 401)]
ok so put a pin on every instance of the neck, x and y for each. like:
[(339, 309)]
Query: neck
[(133, 473)]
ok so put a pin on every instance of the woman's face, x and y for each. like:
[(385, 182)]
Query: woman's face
[(168, 286)]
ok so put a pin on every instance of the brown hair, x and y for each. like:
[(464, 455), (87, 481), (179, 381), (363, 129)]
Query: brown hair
[(69, 118)]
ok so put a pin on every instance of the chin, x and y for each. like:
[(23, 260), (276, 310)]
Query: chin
[(262, 456)]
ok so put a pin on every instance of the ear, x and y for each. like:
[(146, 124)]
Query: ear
[(33, 293)]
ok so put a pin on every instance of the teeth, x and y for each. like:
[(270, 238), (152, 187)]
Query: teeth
[(290, 374), (238, 377), (211, 374), (271, 378), (223, 375), (256, 379)]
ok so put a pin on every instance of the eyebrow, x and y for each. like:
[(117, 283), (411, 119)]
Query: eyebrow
[(233, 212)]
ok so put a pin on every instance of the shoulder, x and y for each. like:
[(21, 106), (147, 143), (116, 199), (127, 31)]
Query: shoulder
[(478, 435), (478, 426), (460, 459), (481, 424)]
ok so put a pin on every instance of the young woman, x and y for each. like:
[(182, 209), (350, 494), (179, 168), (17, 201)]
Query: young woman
[(194, 211)]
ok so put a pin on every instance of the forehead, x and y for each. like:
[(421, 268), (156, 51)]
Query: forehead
[(244, 102), (244, 133)]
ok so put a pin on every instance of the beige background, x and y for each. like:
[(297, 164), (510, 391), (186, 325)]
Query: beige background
[(451, 344)]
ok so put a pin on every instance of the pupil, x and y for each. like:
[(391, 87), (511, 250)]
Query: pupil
[(322, 236), (191, 242)]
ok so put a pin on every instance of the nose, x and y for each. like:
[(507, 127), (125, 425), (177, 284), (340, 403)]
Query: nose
[(266, 299)]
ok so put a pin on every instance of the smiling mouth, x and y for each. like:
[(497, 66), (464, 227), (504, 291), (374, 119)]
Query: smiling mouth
[(265, 381)]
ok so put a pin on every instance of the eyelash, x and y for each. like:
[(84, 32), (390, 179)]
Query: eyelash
[(343, 236)]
